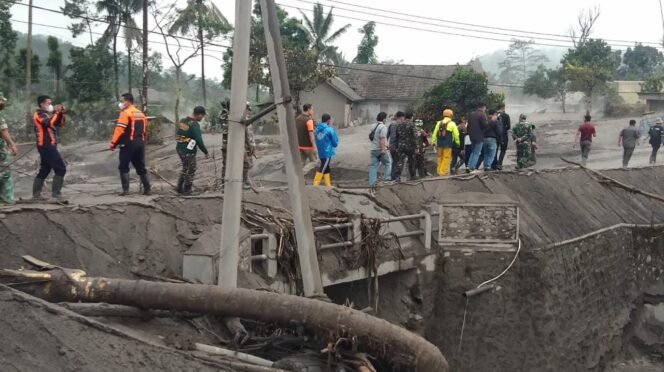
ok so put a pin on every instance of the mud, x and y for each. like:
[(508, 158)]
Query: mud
[(591, 304), (38, 336)]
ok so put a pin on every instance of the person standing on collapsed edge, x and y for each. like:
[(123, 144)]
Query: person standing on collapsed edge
[(129, 135), (47, 119), (305, 134), (584, 137), (655, 135), (189, 140), (628, 140), (326, 143)]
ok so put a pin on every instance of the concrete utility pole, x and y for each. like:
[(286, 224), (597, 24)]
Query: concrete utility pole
[(230, 222), (306, 247), (28, 73), (144, 92)]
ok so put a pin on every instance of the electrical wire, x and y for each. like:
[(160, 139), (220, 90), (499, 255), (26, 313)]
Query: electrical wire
[(568, 43), (321, 64), (400, 13), (459, 28)]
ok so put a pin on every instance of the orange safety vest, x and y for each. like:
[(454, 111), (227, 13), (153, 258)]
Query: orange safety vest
[(131, 127), (45, 127)]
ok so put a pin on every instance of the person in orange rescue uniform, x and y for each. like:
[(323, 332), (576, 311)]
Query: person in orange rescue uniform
[(47, 120), (129, 135)]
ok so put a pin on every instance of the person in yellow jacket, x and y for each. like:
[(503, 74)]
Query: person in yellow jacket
[(445, 137)]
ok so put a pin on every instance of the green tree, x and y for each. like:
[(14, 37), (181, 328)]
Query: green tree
[(82, 13), (521, 59), (589, 67), (119, 13), (304, 72), (461, 92), (90, 74), (54, 62), (366, 51), (21, 64), (207, 21), (548, 83), (653, 84), (8, 39), (640, 62), (320, 35)]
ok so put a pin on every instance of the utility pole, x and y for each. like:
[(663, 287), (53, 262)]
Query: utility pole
[(144, 92), (230, 222), (28, 72), (202, 41), (306, 247)]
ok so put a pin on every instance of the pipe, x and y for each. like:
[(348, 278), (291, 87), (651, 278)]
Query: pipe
[(479, 290)]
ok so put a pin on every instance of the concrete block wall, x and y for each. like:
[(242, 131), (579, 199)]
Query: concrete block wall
[(558, 309)]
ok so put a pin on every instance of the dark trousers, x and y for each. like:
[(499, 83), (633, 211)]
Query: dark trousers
[(188, 168), (653, 155), (395, 172), (419, 165), (134, 154), (502, 151), (406, 157), (50, 159), (456, 159), (627, 155), (467, 150), (324, 165)]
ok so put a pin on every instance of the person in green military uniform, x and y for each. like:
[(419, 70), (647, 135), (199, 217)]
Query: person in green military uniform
[(189, 140), (7, 150), (249, 142), (522, 133)]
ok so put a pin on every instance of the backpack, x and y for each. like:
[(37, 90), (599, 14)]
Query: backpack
[(442, 130), (373, 132)]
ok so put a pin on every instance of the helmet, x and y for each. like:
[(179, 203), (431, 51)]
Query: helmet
[(448, 113)]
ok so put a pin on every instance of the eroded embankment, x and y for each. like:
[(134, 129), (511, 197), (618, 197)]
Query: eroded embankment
[(567, 307)]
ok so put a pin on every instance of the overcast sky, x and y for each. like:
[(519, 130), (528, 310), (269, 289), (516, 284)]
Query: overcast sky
[(430, 42)]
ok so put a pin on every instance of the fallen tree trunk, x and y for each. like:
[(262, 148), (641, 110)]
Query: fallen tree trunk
[(614, 182), (394, 345)]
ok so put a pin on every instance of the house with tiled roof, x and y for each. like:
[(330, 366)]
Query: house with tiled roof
[(360, 91)]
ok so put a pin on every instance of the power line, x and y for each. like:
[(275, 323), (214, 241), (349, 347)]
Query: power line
[(568, 45), (474, 25), (437, 24), (322, 64), (123, 25), (99, 34)]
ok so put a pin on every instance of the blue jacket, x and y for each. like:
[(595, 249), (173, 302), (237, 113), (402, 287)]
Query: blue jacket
[(326, 141)]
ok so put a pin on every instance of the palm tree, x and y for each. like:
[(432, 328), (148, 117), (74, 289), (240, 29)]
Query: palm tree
[(319, 33), (207, 22), (118, 14)]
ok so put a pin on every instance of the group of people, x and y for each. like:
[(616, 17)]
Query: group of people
[(317, 140), (129, 137), (479, 143), (628, 138)]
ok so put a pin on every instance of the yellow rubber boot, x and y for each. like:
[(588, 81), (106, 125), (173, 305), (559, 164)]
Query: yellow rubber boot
[(318, 178), (328, 180)]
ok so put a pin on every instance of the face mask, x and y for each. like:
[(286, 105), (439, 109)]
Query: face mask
[(121, 106), (49, 108)]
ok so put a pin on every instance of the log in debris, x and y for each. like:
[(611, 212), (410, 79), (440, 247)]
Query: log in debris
[(616, 183), (394, 345)]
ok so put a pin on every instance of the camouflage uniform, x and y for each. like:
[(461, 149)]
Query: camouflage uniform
[(406, 146), (522, 133), (422, 145), (6, 180), (249, 146)]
